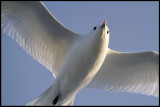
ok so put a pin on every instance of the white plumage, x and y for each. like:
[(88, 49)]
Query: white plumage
[(37, 32), (129, 72), (85, 61)]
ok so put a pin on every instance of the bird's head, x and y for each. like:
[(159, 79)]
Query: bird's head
[(100, 32)]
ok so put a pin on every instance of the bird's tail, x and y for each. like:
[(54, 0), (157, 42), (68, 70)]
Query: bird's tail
[(50, 98), (40, 100)]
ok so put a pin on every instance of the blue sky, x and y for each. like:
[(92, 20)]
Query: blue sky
[(134, 27)]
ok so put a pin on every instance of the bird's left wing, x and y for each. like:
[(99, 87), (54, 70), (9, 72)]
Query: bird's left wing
[(37, 32), (129, 72)]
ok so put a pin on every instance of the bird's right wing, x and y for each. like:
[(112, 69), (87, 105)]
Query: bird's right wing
[(37, 32), (129, 72)]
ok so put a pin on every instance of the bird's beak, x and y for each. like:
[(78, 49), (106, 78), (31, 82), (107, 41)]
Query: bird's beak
[(104, 24)]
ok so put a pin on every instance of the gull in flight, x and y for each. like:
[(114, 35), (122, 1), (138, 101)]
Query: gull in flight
[(77, 61)]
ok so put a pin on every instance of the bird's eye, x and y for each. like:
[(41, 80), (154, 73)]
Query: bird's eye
[(94, 28), (107, 31)]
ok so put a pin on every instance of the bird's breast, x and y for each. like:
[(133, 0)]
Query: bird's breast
[(80, 66)]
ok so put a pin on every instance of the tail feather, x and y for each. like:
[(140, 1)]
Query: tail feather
[(49, 96), (68, 102), (40, 100)]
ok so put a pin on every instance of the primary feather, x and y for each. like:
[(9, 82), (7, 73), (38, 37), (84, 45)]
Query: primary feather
[(129, 72), (37, 32)]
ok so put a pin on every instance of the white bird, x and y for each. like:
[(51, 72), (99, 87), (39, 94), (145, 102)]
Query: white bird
[(77, 61)]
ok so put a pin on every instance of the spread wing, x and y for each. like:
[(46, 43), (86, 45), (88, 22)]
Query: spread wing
[(129, 72), (37, 32)]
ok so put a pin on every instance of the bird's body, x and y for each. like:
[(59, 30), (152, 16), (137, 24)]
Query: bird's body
[(77, 61), (85, 58), (79, 67)]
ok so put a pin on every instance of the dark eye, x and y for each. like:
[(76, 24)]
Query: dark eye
[(107, 32), (94, 28)]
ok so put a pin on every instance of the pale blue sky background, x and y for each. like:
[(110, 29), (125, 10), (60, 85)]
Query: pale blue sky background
[(134, 27)]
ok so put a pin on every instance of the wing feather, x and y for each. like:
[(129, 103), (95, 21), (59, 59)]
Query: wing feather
[(31, 25), (129, 72)]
